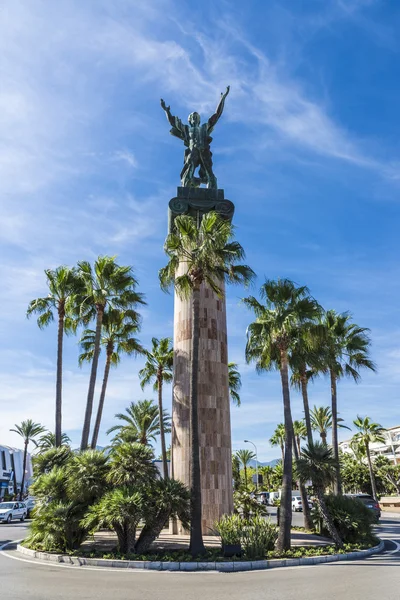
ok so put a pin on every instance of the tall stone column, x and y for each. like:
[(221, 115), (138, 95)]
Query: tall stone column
[(213, 392)]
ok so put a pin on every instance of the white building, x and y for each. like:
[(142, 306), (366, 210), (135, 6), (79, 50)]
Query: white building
[(390, 449), (11, 468)]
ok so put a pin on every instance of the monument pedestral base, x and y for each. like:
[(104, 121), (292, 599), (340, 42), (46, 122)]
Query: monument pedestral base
[(198, 201)]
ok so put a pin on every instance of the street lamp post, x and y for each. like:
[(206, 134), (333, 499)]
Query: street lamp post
[(255, 448)]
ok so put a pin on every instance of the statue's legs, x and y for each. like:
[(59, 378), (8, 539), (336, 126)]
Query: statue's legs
[(206, 170)]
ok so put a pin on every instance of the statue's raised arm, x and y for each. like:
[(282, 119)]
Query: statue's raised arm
[(212, 121), (178, 130)]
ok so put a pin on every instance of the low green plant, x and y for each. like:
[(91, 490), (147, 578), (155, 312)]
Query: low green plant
[(352, 519), (246, 505), (258, 537), (230, 529)]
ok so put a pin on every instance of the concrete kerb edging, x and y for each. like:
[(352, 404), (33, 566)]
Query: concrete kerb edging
[(198, 566)]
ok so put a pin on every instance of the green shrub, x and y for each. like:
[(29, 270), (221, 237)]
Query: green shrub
[(256, 534), (352, 519), (230, 529), (247, 505), (259, 536)]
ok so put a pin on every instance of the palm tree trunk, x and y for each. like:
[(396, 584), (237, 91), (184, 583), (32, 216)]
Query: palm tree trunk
[(245, 476), (327, 519), (337, 486), (92, 382), (304, 393), (151, 532), (196, 546), (21, 493), (283, 453), (285, 519), (60, 336), (161, 417), (308, 525), (322, 435), (371, 473), (102, 398)]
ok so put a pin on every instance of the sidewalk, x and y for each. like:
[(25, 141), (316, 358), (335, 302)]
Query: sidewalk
[(107, 540)]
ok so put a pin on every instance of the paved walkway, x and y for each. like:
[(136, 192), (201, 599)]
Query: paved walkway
[(107, 540)]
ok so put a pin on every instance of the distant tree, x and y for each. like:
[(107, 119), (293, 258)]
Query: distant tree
[(158, 370), (106, 285), (278, 439), (346, 352), (141, 423), (117, 338), (235, 383), (245, 456), (321, 421), (64, 289), (48, 441), (28, 430), (300, 432), (236, 472), (317, 463), (369, 432)]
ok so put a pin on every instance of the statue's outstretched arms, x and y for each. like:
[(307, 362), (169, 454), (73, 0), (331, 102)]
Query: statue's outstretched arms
[(212, 121)]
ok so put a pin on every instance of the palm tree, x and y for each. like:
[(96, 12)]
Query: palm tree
[(210, 256), (106, 285), (234, 382), (64, 287), (369, 432), (321, 421), (318, 464), (28, 430), (158, 370), (48, 441), (118, 328), (278, 439), (346, 352), (245, 456), (267, 473), (269, 341), (141, 423), (300, 433), (358, 449)]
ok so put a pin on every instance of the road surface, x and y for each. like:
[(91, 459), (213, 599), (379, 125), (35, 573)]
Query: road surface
[(374, 578)]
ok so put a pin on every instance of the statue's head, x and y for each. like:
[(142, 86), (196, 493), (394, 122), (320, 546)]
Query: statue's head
[(194, 119)]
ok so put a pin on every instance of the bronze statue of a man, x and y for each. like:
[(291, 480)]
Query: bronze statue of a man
[(197, 140)]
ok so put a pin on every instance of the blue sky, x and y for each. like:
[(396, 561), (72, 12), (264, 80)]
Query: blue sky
[(308, 150)]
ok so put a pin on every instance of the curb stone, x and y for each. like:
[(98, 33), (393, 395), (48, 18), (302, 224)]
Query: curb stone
[(229, 567)]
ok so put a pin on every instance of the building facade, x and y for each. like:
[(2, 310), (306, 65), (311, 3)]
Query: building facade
[(390, 448), (11, 470)]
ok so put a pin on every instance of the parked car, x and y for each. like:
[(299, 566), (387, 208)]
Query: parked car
[(30, 505), (12, 511), (369, 502), (297, 505)]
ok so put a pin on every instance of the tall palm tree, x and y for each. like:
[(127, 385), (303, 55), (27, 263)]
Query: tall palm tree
[(48, 441), (346, 352), (278, 439), (28, 430), (118, 329), (321, 421), (300, 433), (245, 456), (234, 382), (269, 341), (141, 423), (318, 464), (369, 432), (64, 287), (158, 370), (106, 285), (211, 257)]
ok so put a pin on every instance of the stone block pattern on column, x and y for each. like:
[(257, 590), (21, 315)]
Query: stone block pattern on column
[(214, 404)]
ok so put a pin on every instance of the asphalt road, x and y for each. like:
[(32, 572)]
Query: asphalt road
[(369, 579)]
